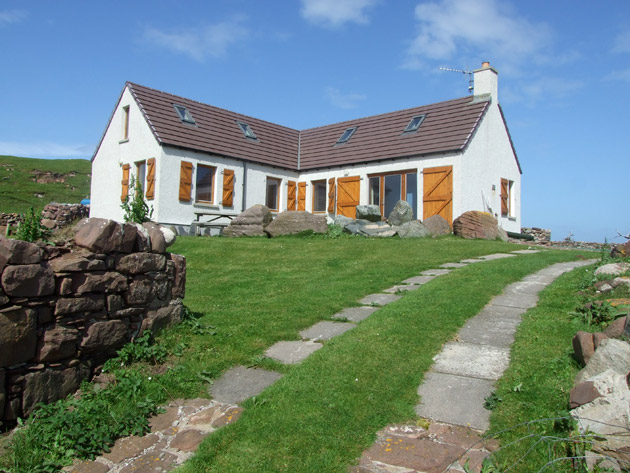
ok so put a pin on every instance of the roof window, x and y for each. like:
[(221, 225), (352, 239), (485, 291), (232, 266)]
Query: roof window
[(184, 114), (414, 124), (346, 135), (247, 131)]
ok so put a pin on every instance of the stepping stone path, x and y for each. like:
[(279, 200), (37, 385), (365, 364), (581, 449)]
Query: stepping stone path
[(452, 395)]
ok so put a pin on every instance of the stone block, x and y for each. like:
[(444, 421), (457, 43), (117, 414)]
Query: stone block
[(99, 281), (141, 291), (104, 337), (85, 303), (158, 243), (56, 343), (188, 440), (28, 280), (100, 235), (240, 383), (18, 252), (163, 317), (71, 262), (114, 302), (179, 282), (583, 347), (18, 335), (139, 263)]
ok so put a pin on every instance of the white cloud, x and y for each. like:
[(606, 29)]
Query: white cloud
[(622, 42), (619, 75), (45, 149), (11, 16), (334, 13), (199, 43), (341, 100), (485, 29)]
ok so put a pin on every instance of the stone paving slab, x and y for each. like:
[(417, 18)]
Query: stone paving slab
[(326, 330), (494, 312), (379, 299), (526, 252), (419, 280), (471, 260), (402, 288), (241, 383), (356, 314), (471, 359), (525, 287), (522, 301), (493, 331), (435, 272), (455, 399), (291, 353), (453, 265), (496, 256)]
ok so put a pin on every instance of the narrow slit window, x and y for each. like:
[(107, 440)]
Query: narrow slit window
[(125, 124), (184, 114), (414, 124), (346, 135), (247, 131)]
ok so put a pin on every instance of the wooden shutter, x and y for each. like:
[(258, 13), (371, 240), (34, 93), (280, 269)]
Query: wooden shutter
[(301, 202), (185, 180), (125, 182), (228, 188), (150, 179), (438, 193), (331, 195), (291, 190), (505, 196), (348, 192)]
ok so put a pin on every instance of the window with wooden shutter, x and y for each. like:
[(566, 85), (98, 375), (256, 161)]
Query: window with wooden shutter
[(185, 180), (125, 182), (228, 188), (301, 202), (150, 193), (505, 197), (331, 195), (291, 192)]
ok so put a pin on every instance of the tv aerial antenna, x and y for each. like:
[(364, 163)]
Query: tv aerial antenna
[(462, 71)]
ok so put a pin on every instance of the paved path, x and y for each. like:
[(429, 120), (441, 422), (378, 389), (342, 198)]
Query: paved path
[(452, 394)]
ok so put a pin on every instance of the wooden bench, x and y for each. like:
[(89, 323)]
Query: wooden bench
[(211, 223)]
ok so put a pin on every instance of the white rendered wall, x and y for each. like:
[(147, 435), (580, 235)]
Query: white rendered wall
[(107, 165), (488, 158)]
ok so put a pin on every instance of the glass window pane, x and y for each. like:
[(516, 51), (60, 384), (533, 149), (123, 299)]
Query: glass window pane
[(393, 188), (375, 190), (203, 183), (271, 199), (411, 189), (319, 196), (141, 173)]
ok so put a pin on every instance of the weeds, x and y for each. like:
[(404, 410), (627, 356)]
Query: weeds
[(135, 208), (31, 228)]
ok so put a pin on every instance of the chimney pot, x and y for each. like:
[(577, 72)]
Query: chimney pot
[(485, 64)]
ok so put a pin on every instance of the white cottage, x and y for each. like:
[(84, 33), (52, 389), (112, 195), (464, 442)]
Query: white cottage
[(197, 162)]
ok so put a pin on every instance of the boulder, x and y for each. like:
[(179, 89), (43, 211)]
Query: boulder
[(18, 252), (613, 269), (371, 213), (169, 235), (50, 385), (413, 229), (476, 224), (342, 220), (101, 235), (143, 242), (611, 354), (583, 393), (252, 222), (291, 222), (401, 213), (18, 335), (354, 227), (138, 263), (28, 280), (437, 225), (56, 343), (158, 243), (618, 328), (378, 230), (583, 347), (104, 337)]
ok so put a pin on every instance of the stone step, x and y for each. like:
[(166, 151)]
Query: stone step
[(240, 383), (325, 330)]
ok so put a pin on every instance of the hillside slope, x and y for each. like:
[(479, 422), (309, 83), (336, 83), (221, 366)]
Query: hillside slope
[(28, 182)]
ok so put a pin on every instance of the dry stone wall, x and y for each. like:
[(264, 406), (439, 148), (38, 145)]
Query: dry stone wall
[(57, 215), (65, 311)]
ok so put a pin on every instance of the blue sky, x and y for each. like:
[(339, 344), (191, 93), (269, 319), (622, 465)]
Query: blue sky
[(564, 77)]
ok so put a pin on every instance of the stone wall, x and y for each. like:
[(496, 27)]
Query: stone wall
[(540, 235), (65, 311), (57, 215)]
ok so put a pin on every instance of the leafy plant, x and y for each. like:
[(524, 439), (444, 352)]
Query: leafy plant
[(31, 228), (492, 401), (596, 313), (134, 205)]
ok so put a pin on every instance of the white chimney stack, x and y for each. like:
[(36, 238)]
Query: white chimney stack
[(486, 81)]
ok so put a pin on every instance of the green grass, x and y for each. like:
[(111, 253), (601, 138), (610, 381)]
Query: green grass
[(539, 378), (250, 293), (18, 190)]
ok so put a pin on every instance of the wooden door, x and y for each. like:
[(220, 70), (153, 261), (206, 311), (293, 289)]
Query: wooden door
[(438, 193), (348, 191), (291, 191), (301, 201)]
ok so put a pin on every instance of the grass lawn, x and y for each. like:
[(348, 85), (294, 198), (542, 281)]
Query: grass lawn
[(19, 191), (251, 293)]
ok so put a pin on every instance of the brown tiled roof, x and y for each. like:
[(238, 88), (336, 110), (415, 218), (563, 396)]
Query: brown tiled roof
[(448, 127), (216, 130)]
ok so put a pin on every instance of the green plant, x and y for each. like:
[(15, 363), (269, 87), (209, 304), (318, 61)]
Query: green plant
[(135, 207), (596, 312), (492, 401), (31, 229)]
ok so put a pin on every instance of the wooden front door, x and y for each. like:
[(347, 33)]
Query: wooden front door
[(348, 191), (438, 193)]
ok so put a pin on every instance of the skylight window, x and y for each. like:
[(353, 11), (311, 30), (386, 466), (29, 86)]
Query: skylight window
[(346, 135), (247, 131), (184, 114), (414, 124)]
